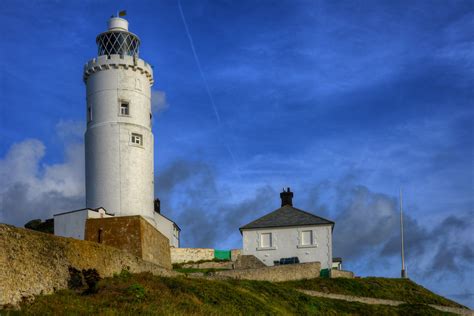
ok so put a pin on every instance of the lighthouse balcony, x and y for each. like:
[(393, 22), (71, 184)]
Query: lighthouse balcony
[(106, 62)]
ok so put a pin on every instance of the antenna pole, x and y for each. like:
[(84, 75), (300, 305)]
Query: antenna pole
[(403, 273)]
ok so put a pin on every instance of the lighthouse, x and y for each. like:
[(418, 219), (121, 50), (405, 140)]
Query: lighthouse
[(121, 210), (119, 138)]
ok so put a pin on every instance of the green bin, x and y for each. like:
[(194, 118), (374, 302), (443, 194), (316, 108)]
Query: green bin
[(324, 273), (222, 254)]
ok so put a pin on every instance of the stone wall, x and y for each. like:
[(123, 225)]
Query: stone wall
[(235, 253), (248, 262), (273, 274), (342, 274), (132, 234), (33, 263), (210, 265), (155, 245), (181, 255)]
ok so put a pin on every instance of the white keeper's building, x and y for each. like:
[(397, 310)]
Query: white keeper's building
[(288, 234)]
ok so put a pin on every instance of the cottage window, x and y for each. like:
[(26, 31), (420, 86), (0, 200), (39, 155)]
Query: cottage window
[(137, 139), (266, 240), (307, 237)]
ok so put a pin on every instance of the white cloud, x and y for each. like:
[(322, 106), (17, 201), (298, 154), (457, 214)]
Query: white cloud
[(32, 188), (158, 101)]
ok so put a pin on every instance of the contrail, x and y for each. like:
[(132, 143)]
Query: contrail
[(191, 42)]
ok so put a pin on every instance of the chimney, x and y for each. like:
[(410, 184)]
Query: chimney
[(156, 205), (286, 197)]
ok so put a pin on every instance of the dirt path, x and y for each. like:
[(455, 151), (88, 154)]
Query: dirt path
[(370, 300)]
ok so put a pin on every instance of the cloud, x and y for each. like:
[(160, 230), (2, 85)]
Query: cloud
[(209, 214), (32, 188), (363, 221), (158, 101), (367, 226), (69, 130)]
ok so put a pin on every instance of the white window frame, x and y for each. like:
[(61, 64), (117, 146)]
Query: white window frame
[(134, 137), (272, 241), (127, 107), (313, 241)]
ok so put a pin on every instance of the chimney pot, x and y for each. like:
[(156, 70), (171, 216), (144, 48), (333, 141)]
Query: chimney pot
[(286, 197), (157, 205)]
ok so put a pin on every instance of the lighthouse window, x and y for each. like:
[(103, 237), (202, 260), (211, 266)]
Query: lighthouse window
[(89, 114), (124, 108), (137, 139)]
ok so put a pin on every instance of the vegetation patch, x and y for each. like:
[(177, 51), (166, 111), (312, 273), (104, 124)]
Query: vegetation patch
[(144, 293), (392, 289)]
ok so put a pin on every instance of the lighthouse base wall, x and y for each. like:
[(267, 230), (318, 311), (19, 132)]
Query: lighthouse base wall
[(132, 234)]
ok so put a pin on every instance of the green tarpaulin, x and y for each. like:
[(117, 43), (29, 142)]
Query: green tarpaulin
[(222, 254), (324, 273)]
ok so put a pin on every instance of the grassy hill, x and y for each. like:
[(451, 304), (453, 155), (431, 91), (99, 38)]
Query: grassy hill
[(147, 294), (392, 289)]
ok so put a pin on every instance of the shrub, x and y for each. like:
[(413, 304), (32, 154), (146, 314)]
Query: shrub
[(124, 275), (75, 281), (137, 291), (92, 278)]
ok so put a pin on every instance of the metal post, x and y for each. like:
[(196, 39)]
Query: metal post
[(403, 272)]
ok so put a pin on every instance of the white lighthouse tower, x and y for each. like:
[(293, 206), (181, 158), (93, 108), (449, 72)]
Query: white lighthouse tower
[(118, 139)]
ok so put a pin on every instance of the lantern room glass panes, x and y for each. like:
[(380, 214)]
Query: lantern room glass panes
[(117, 43)]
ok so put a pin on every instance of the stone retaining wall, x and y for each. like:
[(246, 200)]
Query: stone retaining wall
[(342, 274), (210, 265), (281, 273), (235, 253), (33, 263), (181, 255), (248, 262)]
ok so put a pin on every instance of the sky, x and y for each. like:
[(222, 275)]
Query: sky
[(343, 102)]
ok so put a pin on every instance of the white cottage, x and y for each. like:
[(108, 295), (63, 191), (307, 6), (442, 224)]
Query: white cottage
[(287, 233)]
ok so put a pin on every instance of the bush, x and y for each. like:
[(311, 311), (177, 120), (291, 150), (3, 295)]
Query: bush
[(124, 275), (92, 278), (137, 291), (75, 281)]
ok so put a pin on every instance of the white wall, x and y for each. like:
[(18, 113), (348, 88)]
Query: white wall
[(286, 244), (167, 228), (73, 224)]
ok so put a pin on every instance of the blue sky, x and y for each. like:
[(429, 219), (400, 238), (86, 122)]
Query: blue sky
[(342, 101)]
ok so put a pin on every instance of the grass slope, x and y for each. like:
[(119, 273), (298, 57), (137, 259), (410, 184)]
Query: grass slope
[(392, 289), (147, 294)]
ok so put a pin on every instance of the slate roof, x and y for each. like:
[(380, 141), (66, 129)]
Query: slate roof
[(85, 209), (287, 216)]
